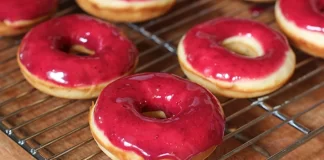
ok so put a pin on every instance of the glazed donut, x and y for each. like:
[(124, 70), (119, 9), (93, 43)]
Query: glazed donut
[(46, 64), (302, 22), (126, 10), (18, 16), (236, 58), (192, 126)]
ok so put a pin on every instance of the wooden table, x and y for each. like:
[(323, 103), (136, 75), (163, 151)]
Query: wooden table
[(9, 150)]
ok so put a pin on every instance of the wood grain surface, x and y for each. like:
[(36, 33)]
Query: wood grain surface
[(10, 150), (58, 128)]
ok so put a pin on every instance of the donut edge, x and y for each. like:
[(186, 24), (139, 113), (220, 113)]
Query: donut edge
[(85, 92), (306, 41), (105, 145), (116, 153), (134, 12), (243, 88), (22, 26)]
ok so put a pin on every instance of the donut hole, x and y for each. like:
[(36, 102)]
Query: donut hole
[(155, 114), (78, 50), (244, 46), (320, 6)]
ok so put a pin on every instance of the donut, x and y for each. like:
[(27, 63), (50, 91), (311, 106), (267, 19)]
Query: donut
[(48, 61), (236, 58), (18, 16), (126, 10), (191, 127), (302, 22)]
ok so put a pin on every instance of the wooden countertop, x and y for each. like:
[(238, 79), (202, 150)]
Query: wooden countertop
[(11, 151)]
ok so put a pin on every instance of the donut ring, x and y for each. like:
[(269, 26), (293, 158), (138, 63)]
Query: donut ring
[(46, 65), (267, 64), (126, 10), (302, 22), (194, 119), (18, 16)]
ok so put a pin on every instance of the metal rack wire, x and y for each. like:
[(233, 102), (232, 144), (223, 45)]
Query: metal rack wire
[(52, 128)]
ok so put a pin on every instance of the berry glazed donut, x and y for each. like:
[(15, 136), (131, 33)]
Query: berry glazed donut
[(48, 62), (126, 10), (18, 16), (303, 22), (190, 126), (236, 58)]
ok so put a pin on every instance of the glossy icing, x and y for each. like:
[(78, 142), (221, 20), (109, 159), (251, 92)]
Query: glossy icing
[(14, 10), (307, 14), (42, 51), (194, 122), (202, 45)]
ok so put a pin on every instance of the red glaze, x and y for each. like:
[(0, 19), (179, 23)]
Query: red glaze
[(42, 51), (307, 14), (207, 56), (14, 10), (194, 122)]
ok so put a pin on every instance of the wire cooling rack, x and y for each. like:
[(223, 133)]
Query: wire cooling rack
[(285, 124)]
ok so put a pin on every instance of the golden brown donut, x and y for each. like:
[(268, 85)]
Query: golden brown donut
[(126, 11), (123, 132), (236, 58), (47, 64)]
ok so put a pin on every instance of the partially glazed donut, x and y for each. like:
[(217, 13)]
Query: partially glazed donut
[(18, 16), (126, 10), (45, 63), (303, 22), (209, 55), (192, 127)]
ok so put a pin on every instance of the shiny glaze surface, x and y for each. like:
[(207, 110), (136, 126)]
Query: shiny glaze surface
[(14, 10), (42, 51), (204, 52), (307, 14), (194, 122)]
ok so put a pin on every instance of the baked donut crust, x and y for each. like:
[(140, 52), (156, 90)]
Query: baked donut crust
[(242, 88), (116, 153), (85, 92), (19, 27), (123, 11), (307, 41)]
